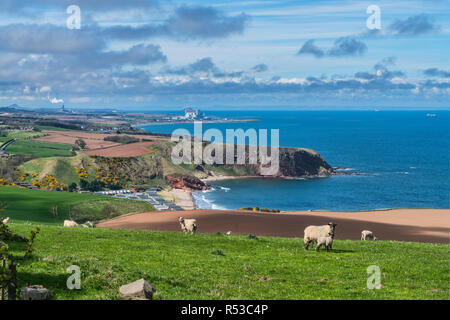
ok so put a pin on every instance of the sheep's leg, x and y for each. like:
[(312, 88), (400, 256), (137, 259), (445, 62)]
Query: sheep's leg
[(318, 247), (307, 242)]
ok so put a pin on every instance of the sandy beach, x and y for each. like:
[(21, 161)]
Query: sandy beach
[(416, 225), (180, 197)]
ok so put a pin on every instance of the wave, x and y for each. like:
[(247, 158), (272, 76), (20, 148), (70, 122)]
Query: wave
[(344, 169), (202, 202)]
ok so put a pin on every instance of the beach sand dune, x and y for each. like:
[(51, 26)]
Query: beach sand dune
[(416, 225)]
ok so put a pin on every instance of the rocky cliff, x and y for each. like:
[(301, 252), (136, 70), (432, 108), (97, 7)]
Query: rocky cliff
[(302, 162)]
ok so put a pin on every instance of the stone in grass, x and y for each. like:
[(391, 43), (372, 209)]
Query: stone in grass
[(36, 292), (138, 290)]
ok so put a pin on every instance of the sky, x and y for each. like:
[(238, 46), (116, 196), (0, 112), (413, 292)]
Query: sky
[(248, 54)]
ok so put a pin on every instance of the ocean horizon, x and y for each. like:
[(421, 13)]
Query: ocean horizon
[(397, 158)]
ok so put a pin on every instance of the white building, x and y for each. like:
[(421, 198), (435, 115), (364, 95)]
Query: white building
[(191, 114)]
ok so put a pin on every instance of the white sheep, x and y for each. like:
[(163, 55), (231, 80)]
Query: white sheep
[(313, 233), (70, 223), (5, 221), (367, 235), (228, 233), (188, 225), (325, 241)]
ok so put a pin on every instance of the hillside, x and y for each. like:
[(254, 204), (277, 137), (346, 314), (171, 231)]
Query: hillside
[(35, 206), (152, 168), (183, 266)]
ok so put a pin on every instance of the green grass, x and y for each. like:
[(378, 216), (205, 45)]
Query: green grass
[(39, 148), (92, 210), (36, 205), (183, 266), (25, 134), (54, 128), (59, 167)]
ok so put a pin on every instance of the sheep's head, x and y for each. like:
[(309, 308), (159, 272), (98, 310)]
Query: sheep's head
[(180, 219), (332, 228)]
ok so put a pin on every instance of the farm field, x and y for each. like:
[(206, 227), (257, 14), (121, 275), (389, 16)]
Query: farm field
[(128, 150), (36, 205), (39, 149), (217, 266), (97, 146)]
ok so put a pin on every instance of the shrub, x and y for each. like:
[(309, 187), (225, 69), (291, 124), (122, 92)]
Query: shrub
[(8, 267), (121, 139), (80, 143), (109, 211), (73, 187)]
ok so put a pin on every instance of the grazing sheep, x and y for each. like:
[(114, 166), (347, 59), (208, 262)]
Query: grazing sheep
[(70, 223), (313, 233), (367, 235), (188, 225), (326, 241), (5, 221), (228, 233)]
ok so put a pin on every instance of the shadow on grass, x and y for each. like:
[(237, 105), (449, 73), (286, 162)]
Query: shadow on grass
[(342, 251)]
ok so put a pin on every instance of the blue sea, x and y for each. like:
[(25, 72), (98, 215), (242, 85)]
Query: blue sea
[(401, 157)]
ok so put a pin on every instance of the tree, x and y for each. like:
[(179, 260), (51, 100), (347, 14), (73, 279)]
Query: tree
[(73, 187), (81, 143), (84, 184)]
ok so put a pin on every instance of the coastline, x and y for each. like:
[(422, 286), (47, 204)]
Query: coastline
[(204, 121), (179, 197)]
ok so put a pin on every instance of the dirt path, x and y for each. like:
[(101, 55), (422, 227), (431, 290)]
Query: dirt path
[(419, 225)]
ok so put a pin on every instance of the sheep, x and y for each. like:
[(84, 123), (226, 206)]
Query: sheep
[(228, 233), (5, 221), (188, 225), (367, 235), (326, 241), (313, 233), (70, 223)]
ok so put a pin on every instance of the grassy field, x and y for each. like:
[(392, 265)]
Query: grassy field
[(39, 148), (36, 205), (25, 134), (61, 167), (183, 266)]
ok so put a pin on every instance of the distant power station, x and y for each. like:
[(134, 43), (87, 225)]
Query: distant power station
[(191, 114)]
